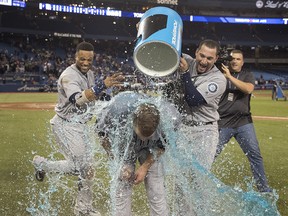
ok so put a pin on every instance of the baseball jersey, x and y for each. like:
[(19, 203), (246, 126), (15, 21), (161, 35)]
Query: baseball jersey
[(116, 120), (73, 82), (234, 106), (211, 86)]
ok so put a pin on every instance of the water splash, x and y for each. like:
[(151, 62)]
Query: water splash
[(203, 191), (56, 195), (185, 177)]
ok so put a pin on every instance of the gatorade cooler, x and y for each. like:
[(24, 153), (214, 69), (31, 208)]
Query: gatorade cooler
[(158, 48)]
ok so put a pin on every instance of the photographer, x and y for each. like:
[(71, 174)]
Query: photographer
[(235, 116)]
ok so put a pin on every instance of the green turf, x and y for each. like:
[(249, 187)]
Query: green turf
[(21, 132), (28, 97), (262, 105), (232, 165), (24, 133)]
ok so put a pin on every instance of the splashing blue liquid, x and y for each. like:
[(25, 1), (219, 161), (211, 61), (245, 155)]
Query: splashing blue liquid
[(203, 192), (185, 178)]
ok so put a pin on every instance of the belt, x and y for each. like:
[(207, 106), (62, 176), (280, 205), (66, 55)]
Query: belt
[(66, 120), (194, 123)]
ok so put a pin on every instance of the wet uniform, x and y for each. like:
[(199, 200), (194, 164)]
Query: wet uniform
[(199, 129), (71, 132), (200, 122), (69, 118), (116, 121)]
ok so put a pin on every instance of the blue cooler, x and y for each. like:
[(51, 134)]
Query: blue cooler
[(158, 48)]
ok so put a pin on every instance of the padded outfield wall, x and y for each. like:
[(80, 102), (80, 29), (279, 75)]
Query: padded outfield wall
[(26, 88)]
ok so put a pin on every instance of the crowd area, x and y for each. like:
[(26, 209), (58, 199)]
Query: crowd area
[(41, 60), (32, 60)]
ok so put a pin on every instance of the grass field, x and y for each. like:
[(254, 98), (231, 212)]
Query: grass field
[(25, 133)]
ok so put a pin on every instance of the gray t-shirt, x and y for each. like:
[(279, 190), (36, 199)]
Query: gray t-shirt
[(211, 86)]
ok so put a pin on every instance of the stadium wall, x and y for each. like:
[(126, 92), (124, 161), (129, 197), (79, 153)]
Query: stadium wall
[(26, 88)]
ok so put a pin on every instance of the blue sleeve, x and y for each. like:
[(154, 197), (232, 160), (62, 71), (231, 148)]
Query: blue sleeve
[(192, 95), (72, 98), (99, 86)]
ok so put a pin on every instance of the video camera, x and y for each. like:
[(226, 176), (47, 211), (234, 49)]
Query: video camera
[(224, 58)]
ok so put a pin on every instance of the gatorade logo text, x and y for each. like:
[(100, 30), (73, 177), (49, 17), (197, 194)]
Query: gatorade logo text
[(174, 38)]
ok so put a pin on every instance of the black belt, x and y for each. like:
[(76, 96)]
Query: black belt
[(70, 121), (194, 123)]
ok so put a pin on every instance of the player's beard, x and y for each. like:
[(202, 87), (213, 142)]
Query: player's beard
[(202, 68)]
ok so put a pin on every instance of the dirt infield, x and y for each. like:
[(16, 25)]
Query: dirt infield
[(270, 118), (50, 106), (27, 106)]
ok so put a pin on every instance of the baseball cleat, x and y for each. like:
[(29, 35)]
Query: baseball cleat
[(39, 172), (40, 175)]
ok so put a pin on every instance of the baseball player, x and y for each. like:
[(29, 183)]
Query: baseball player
[(197, 95), (131, 130), (77, 91)]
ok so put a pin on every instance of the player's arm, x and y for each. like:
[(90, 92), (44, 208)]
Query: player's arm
[(106, 144), (94, 93), (151, 158), (191, 94), (141, 172)]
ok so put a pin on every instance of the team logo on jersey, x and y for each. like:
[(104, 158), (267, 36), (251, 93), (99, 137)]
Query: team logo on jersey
[(212, 87)]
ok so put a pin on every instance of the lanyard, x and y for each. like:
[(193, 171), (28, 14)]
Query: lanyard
[(230, 83)]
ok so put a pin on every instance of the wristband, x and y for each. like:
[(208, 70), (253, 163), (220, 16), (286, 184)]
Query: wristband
[(186, 71), (99, 87), (86, 96)]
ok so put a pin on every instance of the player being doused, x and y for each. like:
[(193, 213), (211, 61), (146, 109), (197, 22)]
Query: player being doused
[(131, 129)]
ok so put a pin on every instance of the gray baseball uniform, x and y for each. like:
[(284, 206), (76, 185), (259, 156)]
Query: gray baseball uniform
[(211, 86), (71, 132), (116, 121), (199, 130), (200, 122), (73, 82), (69, 118)]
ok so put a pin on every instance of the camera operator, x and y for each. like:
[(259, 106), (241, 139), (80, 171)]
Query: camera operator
[(235, 116)]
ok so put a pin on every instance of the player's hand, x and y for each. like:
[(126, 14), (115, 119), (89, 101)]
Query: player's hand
[(116, 79), (183, 66), (140, 174), (127, 173)]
